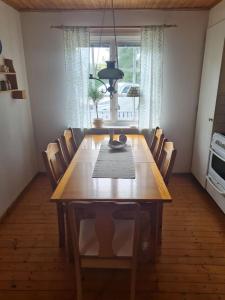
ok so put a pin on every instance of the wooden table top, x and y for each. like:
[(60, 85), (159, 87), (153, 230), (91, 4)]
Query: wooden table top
[(78, 184)]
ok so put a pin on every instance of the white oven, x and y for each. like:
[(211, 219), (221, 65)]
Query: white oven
[(216, 172)]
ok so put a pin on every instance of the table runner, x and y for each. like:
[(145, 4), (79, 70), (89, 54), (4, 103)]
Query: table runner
[(114, 163)]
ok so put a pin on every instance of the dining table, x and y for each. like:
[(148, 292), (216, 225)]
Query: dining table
[(147, 188)]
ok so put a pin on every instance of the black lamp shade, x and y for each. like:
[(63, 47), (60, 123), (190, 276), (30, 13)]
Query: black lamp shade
[(110, 72)]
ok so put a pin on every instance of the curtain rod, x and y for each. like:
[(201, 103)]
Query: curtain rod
[(110, 27)]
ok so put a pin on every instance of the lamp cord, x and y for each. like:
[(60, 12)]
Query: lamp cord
[(114, 29), (100, 39)]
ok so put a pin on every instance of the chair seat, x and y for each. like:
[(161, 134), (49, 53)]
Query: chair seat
[(122, 242)]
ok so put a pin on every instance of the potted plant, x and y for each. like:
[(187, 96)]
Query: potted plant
[(95, 95)]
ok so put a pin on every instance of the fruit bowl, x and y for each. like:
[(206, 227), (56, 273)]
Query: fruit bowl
[(116, 145)]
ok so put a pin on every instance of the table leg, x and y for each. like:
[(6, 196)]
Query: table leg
[(156, 213), (69, 239), (153, 233), (151, 249), (61, 224), (160, 219)]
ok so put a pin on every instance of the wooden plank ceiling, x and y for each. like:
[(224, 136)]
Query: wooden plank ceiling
[(42, 5)]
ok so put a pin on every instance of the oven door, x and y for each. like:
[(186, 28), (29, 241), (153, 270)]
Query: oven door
[(217, 168), (216, 192)]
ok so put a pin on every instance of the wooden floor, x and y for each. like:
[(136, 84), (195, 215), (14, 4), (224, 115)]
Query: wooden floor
[(191, 265)]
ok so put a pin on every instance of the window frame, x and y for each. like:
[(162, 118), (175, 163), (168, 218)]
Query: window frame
[(122, 41)]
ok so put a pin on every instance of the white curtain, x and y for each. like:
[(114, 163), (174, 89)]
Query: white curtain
[(151, 76), (76, 46)]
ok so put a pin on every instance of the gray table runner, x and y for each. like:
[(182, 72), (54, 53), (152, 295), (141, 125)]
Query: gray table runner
[(114, 164)]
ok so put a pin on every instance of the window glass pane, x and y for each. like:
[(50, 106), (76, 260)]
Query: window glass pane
[(98, 57), (129, 63)]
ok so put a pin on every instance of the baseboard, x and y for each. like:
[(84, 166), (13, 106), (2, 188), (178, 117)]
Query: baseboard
[(14, 203)]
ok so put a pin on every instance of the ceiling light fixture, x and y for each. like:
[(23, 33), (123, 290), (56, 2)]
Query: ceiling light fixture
[(112, 71)]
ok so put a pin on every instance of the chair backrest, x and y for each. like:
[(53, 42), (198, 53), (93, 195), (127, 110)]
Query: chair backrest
[(152, 141), (54, 163), (105, 215), (168, 156), (69, 144), (147, 133), (78, 135), (61, 146), (157, 143), (159, 157)]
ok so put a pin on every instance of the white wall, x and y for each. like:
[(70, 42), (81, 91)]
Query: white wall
[(182, 69), (17, 152), (217, 14)]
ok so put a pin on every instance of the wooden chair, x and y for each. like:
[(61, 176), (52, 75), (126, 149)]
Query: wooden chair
[(78, 135), (167, 159), (152, 142), (61, 146), (55, 166), (69, 145), (157, 143), (159, 157), (147, 134), (103, 240), (166, 163)]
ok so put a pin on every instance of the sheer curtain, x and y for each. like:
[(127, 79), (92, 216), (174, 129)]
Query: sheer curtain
[(76, 48), (151, 76)]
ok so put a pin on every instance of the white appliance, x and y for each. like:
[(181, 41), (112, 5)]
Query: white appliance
[(216, 172)]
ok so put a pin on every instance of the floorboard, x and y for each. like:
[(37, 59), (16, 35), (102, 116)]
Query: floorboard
[(191, 265)]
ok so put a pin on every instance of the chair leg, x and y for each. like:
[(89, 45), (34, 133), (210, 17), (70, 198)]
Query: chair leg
[(78, 281), (160, 219), (133, 284), (61, 224), (69, 238), (145, 240)]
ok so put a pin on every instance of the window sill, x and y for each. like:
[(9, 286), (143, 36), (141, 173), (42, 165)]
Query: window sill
[(120, 126), (116, 129)]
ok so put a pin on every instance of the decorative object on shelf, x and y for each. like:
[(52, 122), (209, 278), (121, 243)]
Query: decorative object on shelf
[(9, 64), (95, 95), (117, 145), (0, 47), (19, 94), (10, 83), (3, 86), (110, 73), (4, 69)]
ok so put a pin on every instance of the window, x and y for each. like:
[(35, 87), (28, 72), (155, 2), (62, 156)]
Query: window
[(121, 109), (129, 62), (98, 56)]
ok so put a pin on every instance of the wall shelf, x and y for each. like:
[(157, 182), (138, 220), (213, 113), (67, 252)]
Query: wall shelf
[(7, 91), (16, 94), (8, 73), (11, 81)]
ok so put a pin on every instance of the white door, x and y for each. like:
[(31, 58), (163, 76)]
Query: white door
[(207, 100)]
